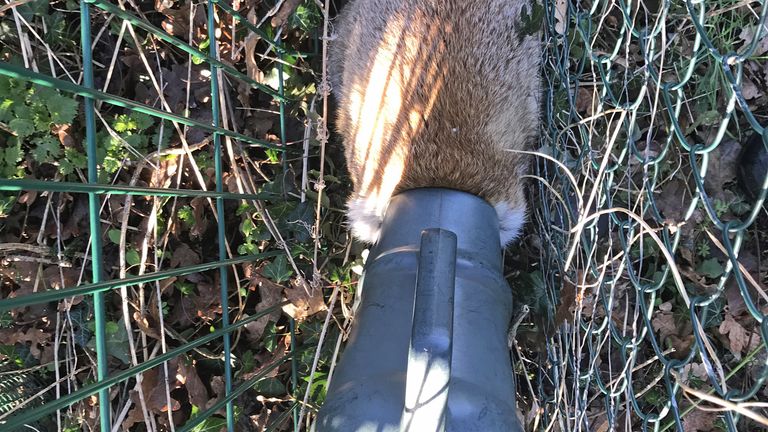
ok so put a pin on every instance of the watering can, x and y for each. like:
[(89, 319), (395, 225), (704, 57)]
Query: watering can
[(428, 348)]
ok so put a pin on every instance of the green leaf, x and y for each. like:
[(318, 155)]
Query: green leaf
[(247, 227), (142, 121), (111, 164), (111, 328), (47, 149), (117, 341), (270, 387), (278, 269), (11, 156), (72, 160), (132, 257), (186, 214), (22, 127), (123, 123), (710, 268), (114, 236), (211, 424), (6, 109), (62, 109)]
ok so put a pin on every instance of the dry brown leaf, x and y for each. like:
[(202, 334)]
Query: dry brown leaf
[(23, 273), (207, 301), (162, 176), (673, 199), (735, 301), (270, 294), (184, 256), (565, 308), (143, 324), (697, 370), (187, 375), (251, 65), (135, 416), (677, 335), (198, 205), (738, 337), (305, 301), (585, 101), (154, 385), (723, 161), (699, 420), (748, 35), (177, 22), (663, 321), (62, 131), (61, 277), (33, 336), (218, 386), (749, 90), (27, 198)]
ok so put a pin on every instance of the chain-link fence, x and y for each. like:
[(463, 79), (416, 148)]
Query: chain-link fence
[(649, 219), (642, 268)]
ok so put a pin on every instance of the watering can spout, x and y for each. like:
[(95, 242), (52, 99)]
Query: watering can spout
[(427, 351)]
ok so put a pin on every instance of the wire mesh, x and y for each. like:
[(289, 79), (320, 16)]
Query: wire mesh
[(649, 217), (648, 299), (105, 396)]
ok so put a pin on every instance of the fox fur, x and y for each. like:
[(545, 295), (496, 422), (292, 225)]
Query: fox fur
[(435, 93)]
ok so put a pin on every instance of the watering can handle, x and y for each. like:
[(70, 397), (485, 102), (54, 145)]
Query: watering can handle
[(429, 356)]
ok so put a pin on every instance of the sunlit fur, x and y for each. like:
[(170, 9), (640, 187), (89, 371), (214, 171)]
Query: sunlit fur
[(432, 93)]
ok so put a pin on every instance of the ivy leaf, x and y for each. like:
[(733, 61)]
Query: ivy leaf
[(278, 269), (117, 341), (22, 127)]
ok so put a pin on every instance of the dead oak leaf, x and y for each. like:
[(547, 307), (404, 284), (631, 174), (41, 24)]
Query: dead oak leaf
[(305, 301), (738, 337)]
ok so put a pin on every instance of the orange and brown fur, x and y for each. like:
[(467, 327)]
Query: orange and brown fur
[(433, 93)]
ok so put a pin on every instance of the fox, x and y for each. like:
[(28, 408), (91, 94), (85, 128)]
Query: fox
[(435, 94)]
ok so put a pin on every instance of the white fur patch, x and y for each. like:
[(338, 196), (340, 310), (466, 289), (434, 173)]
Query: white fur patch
[(511, 221), (364, 219)]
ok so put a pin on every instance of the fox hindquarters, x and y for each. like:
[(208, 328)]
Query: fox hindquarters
[(435, 93)]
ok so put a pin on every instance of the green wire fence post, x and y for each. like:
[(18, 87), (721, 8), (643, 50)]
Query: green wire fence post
[(223, 273), (93, 217)]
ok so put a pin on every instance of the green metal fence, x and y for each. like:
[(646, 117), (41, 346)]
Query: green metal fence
[(642, 267), (649, 218), (108, 388)]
